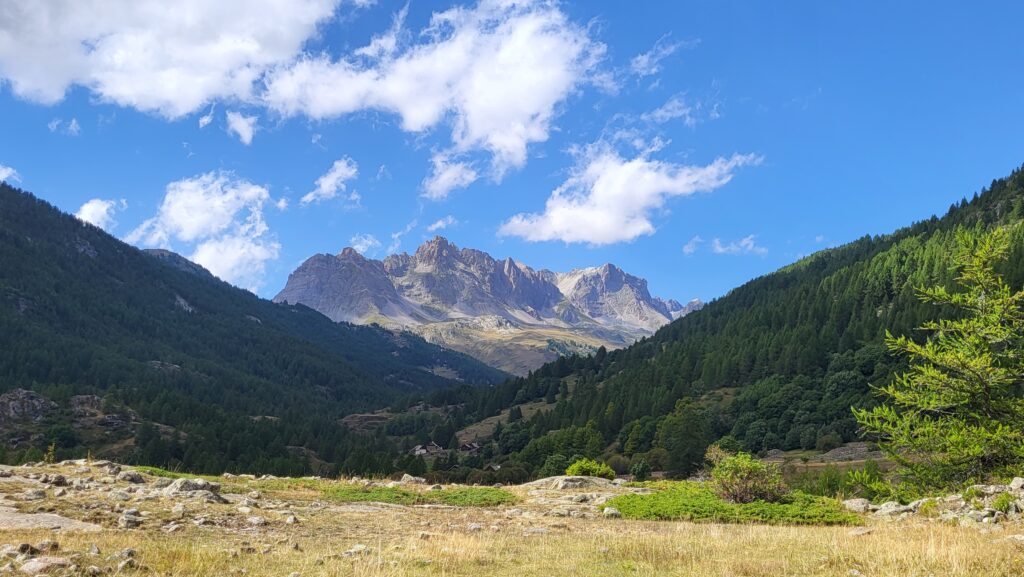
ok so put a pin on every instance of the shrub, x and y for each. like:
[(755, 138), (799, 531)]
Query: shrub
[(590, 468), (741, 478), (553, 465), (1003, 502), (693, 501), (641, 470), (619, 464), (829, 441)]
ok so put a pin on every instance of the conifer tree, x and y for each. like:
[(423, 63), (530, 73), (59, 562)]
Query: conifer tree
[(957, 415)]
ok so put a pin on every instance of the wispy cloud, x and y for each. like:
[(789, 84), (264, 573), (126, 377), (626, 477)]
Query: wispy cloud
[(692, 245), (442, 224), (745, 245)]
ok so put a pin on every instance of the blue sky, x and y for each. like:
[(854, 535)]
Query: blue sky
[(696, 144)]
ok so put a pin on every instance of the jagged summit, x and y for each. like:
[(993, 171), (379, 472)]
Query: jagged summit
[(502, 311)]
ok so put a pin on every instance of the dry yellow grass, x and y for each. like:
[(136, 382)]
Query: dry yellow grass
[(521, 540), (590, 548)]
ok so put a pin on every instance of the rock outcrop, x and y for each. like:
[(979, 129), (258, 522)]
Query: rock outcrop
[(500, 311)]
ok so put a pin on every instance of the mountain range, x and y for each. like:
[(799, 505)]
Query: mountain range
[(502, 312), (149, 341)]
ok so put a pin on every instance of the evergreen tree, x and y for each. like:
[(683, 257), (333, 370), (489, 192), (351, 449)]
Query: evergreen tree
[(957, 415)]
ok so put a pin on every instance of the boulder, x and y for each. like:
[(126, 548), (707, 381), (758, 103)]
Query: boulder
[(43, 565), (857, 505), (407, 478), (131, 477), (891, 508), (612, 512), (1017, 484)]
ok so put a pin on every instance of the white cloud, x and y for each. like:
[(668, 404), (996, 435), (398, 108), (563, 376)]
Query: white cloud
[(649, 63), (396, 237), (676, 107), (691, 246), (745, 245), (496, 71), (442, 224), (72, 128), (364, 242), (241, 125), (819, 238), (446, 177), (384, 46), (334, 181), (207, 118), (221, 216), (8, 173), (171, 58), (100, 212), (609, 199)]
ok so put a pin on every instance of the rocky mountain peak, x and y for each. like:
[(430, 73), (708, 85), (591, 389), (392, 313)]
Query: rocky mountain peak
[(468, 291)]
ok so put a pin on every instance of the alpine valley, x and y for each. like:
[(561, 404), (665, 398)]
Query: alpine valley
[(502, 312)]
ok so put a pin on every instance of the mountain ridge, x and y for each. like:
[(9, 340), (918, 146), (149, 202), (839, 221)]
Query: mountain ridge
[(461, 298)]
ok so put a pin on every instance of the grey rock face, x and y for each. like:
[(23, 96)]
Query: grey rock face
[(462, 297), (23, 406)]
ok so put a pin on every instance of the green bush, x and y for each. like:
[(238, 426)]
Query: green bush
[(590, 468), (1003, 502), (641, 470), (553, 465), (741, 478), (693, 501)]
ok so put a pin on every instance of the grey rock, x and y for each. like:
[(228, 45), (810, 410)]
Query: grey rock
[(452, 296), (43, 565), (131, 477), (892, 508), (612, 512), (857, 505)]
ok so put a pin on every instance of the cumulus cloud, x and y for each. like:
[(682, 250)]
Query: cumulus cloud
[(221, 217), (442, 224), (334, 181), (100, 212), (446, 177), (609, 199), (364, 242), (8, 173), (242, 126), (171, 58), (692, 245), (745, 245), (497, 71)]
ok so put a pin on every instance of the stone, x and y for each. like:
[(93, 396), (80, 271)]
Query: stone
[(291, 520), (356, 550), (857, 505), (407, 478), (474, 527), (126, 564), (256, 521), (612, 512), (43, 565), (1017, 484), (48, 545), (131, 477), (33, 495), (892, 508)]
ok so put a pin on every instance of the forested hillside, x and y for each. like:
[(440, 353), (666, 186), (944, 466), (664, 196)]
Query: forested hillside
[(208, 376), (775, 364)]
